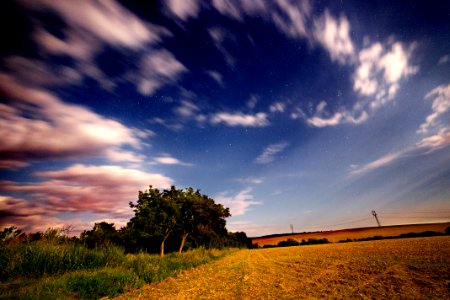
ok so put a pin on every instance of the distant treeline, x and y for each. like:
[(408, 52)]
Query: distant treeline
[(292, 242), (401, 236)]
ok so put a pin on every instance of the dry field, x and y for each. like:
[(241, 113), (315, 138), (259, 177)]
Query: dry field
[(355, 233), (417, 268)]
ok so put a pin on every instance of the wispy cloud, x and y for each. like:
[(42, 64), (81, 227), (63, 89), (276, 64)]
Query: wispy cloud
[(187, 109), (376, 164), (277, 107), (440, 106), (269, 153), (444, 59), (240, 119), (434, 141), (251, 180), (239, 203)]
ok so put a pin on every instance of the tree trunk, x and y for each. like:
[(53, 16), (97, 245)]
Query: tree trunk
[(183, 239), (161, 249)]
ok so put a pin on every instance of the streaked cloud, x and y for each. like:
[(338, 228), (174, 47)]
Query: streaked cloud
[(157, 69), (36, 125), (240, 119), (107, 21), (169, 160), (436, 141), (216, 76), (239, 204), (82, 188), (269, 153), (383, 161), (184, 9)]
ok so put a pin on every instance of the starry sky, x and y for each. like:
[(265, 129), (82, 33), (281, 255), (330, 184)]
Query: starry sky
[(287, 112)]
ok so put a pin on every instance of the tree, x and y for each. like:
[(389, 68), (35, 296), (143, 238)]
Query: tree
[(102, 234), (155, 214)]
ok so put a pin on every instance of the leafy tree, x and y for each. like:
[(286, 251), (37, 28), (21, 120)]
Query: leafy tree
[(155, 215), (200, 218), (102, 234)]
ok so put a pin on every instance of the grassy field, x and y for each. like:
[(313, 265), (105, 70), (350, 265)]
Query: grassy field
[(355, 233), (417, 268), (52, 270)]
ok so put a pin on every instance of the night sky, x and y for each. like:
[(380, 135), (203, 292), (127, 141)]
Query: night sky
[(287, 112)]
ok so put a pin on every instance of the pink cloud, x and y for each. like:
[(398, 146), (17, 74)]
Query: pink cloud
[(38, 125), (105, 190)]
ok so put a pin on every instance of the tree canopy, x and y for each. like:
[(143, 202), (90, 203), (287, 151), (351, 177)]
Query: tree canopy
[(179, 213)]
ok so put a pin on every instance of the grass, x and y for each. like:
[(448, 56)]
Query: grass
[(51, 270), (416, 268)]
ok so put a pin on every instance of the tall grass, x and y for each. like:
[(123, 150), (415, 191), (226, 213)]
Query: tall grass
[(51, 270)]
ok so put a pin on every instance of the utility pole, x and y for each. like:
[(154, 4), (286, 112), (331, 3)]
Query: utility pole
[(374, 213)]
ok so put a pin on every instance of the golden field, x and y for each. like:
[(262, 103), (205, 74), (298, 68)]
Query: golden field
[(354, 233), (416, 268)]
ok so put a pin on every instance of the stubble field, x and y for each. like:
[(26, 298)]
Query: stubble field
[(417, 268)]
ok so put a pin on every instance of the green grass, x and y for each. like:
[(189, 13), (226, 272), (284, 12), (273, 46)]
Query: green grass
[(48, 270)]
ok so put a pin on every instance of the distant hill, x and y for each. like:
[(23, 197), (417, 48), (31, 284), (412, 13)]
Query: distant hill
[(352, 233)]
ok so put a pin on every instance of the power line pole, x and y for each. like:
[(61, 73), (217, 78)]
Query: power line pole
[(374, 213)]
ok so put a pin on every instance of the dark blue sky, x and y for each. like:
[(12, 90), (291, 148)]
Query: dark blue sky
[(288, 112)]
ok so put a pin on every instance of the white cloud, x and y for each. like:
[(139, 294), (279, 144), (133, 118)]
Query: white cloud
[(238, 204), (240, 119), (322, 118), (440, 106), (184, 9), (380, 71), (334, 35), (169, 160), (277, 107), (269, 153)]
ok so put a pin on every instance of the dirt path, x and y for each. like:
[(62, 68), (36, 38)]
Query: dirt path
[(406, 268)]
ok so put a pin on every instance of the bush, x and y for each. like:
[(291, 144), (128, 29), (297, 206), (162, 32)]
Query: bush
[(288, 243)]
